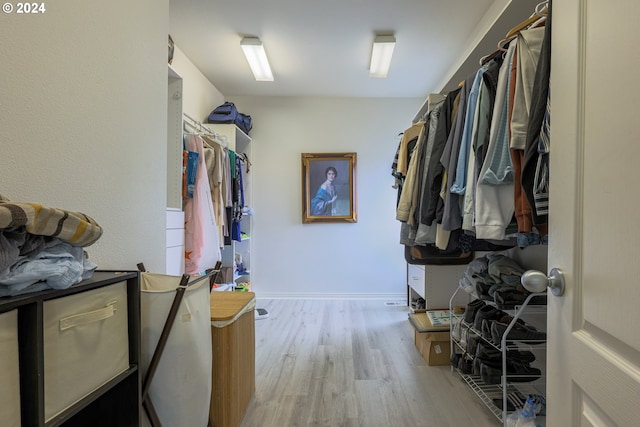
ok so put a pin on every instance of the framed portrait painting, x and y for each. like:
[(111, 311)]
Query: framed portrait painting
[(329, 187)]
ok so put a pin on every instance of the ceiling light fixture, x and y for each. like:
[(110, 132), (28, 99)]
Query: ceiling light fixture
[(257, 58), (381, 56)]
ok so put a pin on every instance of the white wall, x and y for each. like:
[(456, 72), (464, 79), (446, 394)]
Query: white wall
[(83, 119), (324, 260), (199, 96)]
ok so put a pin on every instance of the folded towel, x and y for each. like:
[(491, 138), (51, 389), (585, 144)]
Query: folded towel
[(74, 228)]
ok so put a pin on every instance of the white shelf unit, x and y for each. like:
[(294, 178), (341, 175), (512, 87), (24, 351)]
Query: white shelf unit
[(174, 261), (496, 396), (174, 140), (239, 142)]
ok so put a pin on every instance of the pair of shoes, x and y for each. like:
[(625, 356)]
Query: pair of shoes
[(486, 326), (418, 304), (461, 362), (509, 298), (488, 312), (487, 352), (472, 309), (518, 332), (516, 372)]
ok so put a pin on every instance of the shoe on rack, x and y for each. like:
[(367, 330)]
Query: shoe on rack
[(488, 312), (516, 372), (490, 375), (486, 351), (521, 372), (482, 290), (465, 365), (475, 369), (519, 332), (486, 329), (472, 343), (486, 326), (455, 359), (472, 309), (508, 298)]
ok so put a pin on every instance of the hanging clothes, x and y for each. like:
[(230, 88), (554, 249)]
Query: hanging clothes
[(475, 172), (426, 233), (215, 157), (536, 151), (202, 248)]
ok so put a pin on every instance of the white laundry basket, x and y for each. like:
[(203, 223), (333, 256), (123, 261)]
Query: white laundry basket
[(180, 389)]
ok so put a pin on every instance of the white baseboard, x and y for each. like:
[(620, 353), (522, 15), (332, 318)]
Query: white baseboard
[(324, 295)]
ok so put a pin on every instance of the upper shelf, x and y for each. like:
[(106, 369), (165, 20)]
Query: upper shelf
[(237, 139)]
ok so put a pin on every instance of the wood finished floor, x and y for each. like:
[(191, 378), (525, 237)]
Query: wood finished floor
[(351, 363)]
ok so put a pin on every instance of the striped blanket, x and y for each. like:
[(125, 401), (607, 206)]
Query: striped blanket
[(74, 228)]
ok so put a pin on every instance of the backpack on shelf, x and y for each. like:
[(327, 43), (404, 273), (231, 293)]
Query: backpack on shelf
[(228, 113)]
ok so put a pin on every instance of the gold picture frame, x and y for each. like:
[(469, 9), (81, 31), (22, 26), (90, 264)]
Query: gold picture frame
[(329, 187)]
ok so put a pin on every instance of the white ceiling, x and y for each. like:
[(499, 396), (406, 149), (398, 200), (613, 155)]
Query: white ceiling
[(322, 47)]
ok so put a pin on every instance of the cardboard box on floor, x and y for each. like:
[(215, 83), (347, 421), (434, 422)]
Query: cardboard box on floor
[(433, 342), (435, 347)]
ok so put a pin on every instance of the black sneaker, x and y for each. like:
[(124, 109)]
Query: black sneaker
[(488, 352), (472, 309), (516, 372), (518, 332), (488, 312)]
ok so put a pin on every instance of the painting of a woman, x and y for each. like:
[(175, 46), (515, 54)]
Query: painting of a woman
[(329, 187), (322, 202)]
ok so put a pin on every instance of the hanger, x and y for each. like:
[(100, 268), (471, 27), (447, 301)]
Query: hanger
[(202, 130), (485, 59), (529, 21), (542, 8), (537, 18)]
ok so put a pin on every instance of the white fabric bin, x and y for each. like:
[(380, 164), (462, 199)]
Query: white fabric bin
[(86, 344), (180, 390), (10, 372)]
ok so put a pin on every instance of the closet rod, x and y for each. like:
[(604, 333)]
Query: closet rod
[(198, 126)]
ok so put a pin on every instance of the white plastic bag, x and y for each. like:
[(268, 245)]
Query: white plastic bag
[(525, 417)]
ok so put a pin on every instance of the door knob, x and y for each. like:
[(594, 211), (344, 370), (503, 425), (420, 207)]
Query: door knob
[(537, 281)]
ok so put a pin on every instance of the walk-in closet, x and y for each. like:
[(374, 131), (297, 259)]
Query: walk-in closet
[(160, 263)]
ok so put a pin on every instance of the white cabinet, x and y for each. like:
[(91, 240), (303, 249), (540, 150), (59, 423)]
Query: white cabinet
[(175, 242), (238, 253), (434, 283)]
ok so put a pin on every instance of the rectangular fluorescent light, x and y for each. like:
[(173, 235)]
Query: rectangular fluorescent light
[(257, 57), (381, 56)]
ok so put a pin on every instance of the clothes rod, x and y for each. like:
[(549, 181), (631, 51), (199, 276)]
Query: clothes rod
[(200, 125)]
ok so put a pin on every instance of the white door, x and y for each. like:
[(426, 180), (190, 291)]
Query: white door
[(594, 328)]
